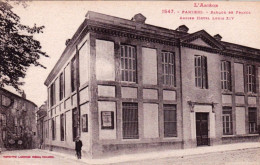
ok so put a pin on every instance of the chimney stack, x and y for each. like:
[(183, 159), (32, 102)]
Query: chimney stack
[(139, 18), (67, 42), (217, 37), (183, 28)]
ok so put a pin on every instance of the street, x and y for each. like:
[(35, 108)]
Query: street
[(238, 157), (39, 157), (8, 158)]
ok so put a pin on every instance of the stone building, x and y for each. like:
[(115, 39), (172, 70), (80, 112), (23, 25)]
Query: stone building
[(41, 115), (17, 121), (126, 86)]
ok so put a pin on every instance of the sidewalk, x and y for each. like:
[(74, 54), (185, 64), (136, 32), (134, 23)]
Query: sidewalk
[(161, 154)]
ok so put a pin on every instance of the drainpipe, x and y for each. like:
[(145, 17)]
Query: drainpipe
[(181, 98)]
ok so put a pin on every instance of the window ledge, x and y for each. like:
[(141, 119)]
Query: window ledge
[(245, 135), (225, 92), (252, 94)]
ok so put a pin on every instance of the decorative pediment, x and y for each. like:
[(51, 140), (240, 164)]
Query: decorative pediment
[(202, 38), (200, 42)]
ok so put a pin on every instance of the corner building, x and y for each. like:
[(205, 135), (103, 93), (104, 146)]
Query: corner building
[(126, 86)]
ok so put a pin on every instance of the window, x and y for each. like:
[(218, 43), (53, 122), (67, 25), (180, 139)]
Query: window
[(128, 63), (225, 75), (6, 101), (250, 78), (53, 127), (2, 120), (61, 86), (52, 97), (85, 123), (252, 118), (73, 74), (201, 73), (46, 129), (62, 123), (227, 120), (168, 68), (170, 120), (130, 121), (75, 123)]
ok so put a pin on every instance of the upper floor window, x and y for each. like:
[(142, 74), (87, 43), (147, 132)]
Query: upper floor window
[(61, 86), (6, 101), (52, 95), (251, 78), (73, 74), (201, 72), (168, 68), (128, 63), (225, 75)]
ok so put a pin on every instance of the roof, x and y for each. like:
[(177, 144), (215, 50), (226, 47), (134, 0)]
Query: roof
[(15, 95), (105, 23)]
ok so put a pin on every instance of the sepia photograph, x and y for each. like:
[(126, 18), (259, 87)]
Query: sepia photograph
[(129, 82)]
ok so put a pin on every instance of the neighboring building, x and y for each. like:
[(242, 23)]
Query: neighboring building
[(17, 121), (41, 116), (126, 86)]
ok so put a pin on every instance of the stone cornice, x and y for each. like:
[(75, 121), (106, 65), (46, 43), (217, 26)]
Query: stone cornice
[(118, 31)]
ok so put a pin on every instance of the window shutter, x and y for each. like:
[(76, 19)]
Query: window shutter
[(204, 72)]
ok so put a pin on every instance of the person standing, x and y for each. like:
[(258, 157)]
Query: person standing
[(78, 146)]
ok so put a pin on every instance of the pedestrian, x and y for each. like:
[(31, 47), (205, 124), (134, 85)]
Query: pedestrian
[(78, 145)]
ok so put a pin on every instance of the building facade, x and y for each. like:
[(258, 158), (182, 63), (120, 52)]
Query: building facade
[(41, 116), (126, 86), (17, 121)]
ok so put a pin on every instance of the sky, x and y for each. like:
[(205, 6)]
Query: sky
[(62, 18)]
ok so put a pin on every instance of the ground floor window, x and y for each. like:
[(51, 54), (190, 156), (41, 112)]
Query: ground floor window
[(170, 120), (227, 120), (252, 118), (75, 123), (53, 127), (62, 123), (130, 121)]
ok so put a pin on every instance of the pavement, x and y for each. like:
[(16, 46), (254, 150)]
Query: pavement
[(161, 154)]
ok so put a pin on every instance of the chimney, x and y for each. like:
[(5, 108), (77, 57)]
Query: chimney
[(183, 28), (67, 42), (139, 18), (23, 95), (217, 37)]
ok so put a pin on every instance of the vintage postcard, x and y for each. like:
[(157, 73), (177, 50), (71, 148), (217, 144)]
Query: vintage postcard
[(130, 82)]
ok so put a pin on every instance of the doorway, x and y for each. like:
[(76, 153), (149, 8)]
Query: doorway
[(202, 129)]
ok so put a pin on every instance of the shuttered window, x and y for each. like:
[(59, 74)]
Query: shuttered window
[(225, 75), (170, 120), (62, 124), (73, 74), (52, 97), (130, 121), (201, 72), (227, 120), (53, 127), (252, 118), (168, 68), (128, 63), (251, 78), (61, 86)]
